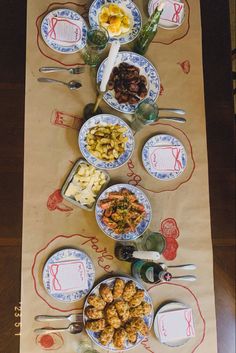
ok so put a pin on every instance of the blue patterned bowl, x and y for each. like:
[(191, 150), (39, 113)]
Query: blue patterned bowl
[(105, 119), (129, 7), (146, 69), (148, 319), (141, 227)]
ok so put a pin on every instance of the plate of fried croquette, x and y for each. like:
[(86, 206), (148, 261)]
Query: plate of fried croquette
[(118, 313)]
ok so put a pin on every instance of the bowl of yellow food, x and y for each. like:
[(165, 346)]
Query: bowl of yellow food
[(106, 141), (118, 314), (121, 19)]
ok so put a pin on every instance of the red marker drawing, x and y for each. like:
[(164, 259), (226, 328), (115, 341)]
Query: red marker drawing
[(66, 120), (55, 202), (185, 66)]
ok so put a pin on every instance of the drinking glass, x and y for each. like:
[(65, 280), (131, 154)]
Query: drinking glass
[(97, 39), (85, 346), (151, 241), (145, 114)]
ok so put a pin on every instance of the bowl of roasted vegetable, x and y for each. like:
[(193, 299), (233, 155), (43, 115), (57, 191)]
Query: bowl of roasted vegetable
[(123, 212), (106, 141), (118, 314)]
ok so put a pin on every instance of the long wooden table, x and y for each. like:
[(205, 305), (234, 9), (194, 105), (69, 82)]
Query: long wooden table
[(220, 134)]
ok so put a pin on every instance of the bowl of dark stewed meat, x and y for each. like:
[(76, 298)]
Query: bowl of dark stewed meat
[(133, 79), (128, 84)]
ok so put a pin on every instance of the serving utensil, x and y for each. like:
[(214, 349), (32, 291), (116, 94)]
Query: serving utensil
[(184, 267), (90, 109), (71, 317), (73, 85), (72, 328), (71, 70), (115, 46)]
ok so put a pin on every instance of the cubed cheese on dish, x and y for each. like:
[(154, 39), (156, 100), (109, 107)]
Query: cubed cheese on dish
[(86, 184), (71, 191)]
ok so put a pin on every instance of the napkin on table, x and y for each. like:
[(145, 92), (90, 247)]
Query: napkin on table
[(165, 158), (173, 11), (175, 325), (68, 276)]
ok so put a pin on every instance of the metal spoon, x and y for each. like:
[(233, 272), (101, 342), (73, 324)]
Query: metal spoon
[(72, 328), (172, 118), (71, 84), (72, 317), (189, 278), (184, 267), (173, 110)]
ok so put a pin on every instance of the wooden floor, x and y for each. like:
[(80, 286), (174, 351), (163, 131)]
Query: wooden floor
[(220, 136)]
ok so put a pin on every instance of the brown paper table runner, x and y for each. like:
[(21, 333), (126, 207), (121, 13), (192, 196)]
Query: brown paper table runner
[(180, 206)]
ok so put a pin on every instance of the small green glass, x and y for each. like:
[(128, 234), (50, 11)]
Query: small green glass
[(145, 114), (151, 241), (85, 346), (97, 39)]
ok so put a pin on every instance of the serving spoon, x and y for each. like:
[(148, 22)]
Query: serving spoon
[(94, 109), (73, 85), (72, 328)]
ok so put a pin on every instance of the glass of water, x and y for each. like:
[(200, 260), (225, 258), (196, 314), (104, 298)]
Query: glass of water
[(145, 114), (97, 39), (151, 241), (85, 346)]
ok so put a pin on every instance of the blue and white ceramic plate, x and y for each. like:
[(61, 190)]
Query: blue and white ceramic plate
[(104, 120), (164, 157), (172, 16), (68, 275), (64, 31), (148, 319), (146, 69), (129, 8), (141, 227)]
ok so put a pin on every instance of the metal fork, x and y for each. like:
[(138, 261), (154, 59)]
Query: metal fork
[(72, 70), (72, 317)]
